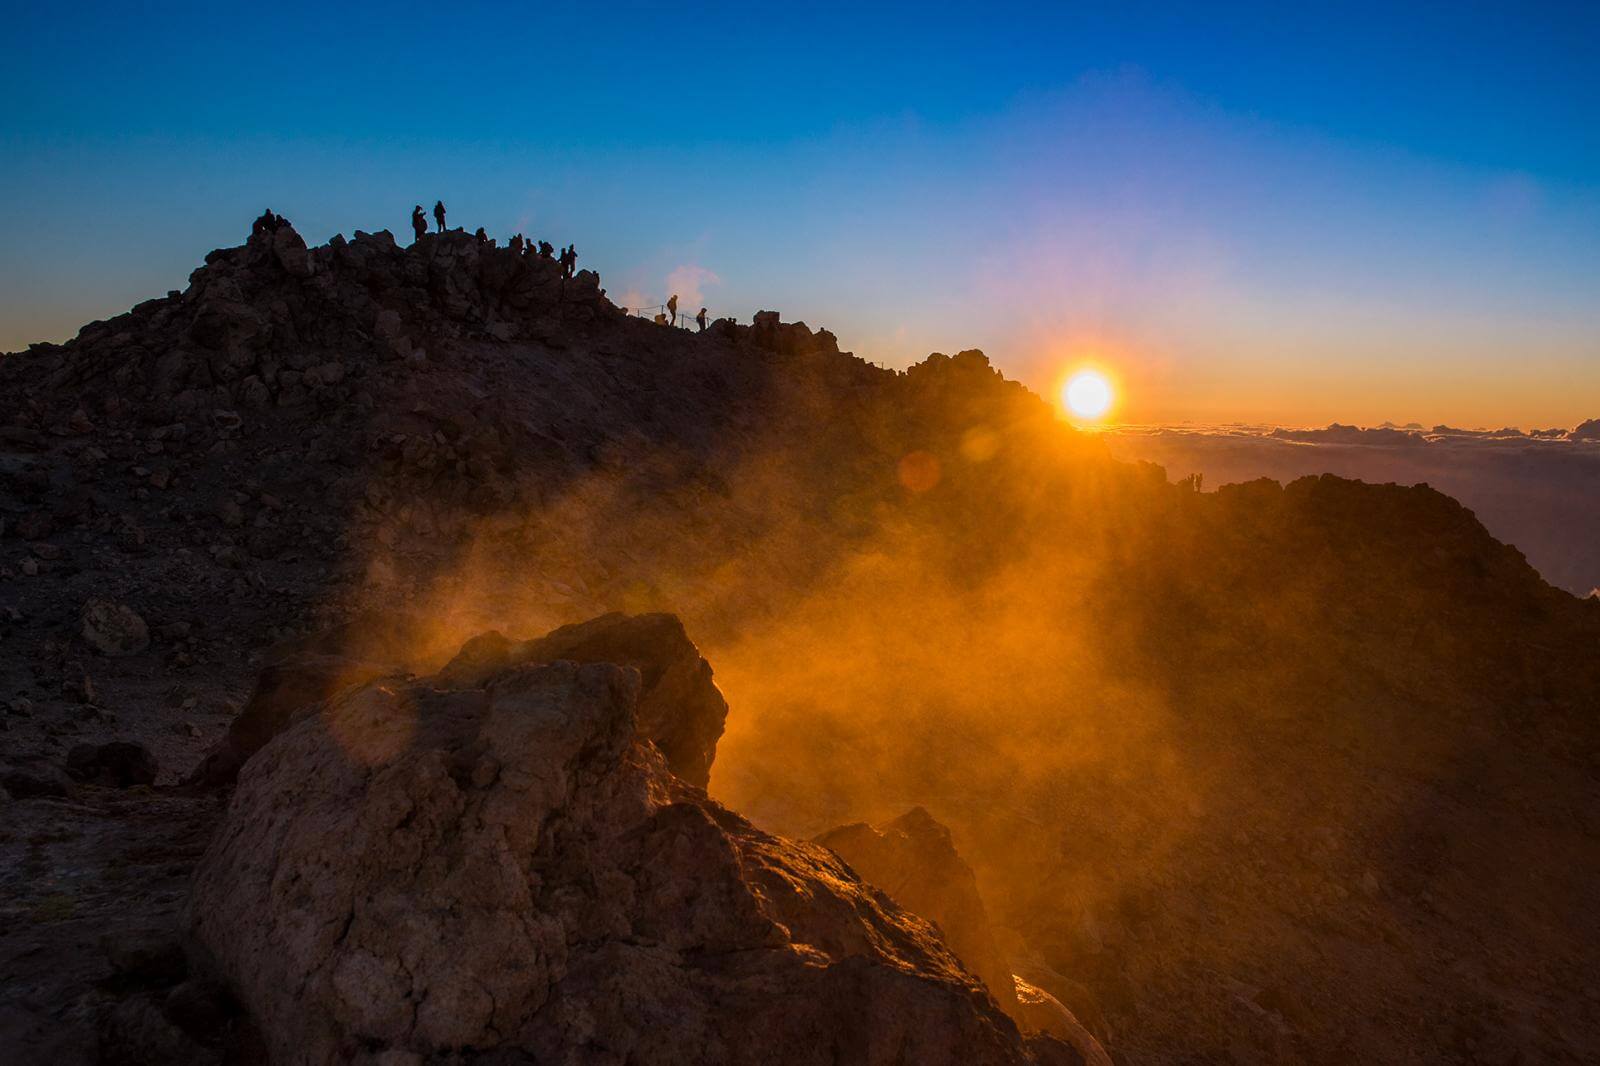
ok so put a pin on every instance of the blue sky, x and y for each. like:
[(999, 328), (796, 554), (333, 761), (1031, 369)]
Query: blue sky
[(1356, 213)]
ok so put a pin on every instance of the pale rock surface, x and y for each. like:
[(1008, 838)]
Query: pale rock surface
[(507, 873)]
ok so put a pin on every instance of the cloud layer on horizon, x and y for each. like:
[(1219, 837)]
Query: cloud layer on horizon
[(1538, 490)]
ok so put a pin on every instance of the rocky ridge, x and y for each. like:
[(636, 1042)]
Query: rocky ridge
[(1376, 723)]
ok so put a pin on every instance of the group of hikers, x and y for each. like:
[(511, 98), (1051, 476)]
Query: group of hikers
[(670, 316), (269, 223), (568, 257)]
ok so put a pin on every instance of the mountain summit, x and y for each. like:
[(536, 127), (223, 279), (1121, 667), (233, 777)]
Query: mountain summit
[(1297, 772)]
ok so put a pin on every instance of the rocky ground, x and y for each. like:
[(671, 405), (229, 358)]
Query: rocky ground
[(1302, 774)]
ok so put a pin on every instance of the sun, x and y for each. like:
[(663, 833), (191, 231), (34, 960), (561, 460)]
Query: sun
[(1087, 395)]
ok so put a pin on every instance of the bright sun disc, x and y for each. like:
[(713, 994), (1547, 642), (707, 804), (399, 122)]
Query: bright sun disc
[(1087, 394)]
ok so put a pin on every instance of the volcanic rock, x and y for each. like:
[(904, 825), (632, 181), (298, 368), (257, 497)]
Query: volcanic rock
[(117, 764), (914, 860), (680, 709), (114, 629), (35, 779), (508, 869), (298, 678)]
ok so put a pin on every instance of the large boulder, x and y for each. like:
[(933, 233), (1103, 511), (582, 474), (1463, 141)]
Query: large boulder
[(681, 710), (507, 872)]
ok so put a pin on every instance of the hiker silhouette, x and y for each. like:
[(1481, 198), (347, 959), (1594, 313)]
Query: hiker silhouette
[(672, 308), (438, 214), (700, 319), (419, 221)]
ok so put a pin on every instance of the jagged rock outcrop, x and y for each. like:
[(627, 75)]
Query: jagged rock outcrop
[(680, 709), (915, 861), (507, 870)]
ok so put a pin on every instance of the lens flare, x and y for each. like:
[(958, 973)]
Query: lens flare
[(1087, 395)]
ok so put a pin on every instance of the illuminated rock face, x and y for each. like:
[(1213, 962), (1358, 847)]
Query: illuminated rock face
[(680, 709), (507, 869), (915, 861)]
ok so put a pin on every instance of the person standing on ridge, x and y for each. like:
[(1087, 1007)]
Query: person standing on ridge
[(419, 222), (672, 309), (438, 214), (700, 320)]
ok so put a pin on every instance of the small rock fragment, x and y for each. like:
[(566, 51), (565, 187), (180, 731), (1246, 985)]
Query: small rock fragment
[(114, 629)]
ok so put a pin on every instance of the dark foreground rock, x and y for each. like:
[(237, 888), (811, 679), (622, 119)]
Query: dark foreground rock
[(116, 764), (507, 870), (298, 679)]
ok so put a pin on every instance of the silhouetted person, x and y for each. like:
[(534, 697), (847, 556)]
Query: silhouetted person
[(546, 250), (265, 224), (700, 320), (419, 222), (438, 214), (482, 237), (672, 308), (516, 244)]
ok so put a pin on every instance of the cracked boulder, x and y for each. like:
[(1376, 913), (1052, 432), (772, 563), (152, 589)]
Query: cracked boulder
[(508, 872)]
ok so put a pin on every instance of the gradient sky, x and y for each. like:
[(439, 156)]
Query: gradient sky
[(1264, 213)]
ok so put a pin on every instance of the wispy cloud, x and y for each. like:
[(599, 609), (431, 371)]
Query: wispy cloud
[(689, 281)]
